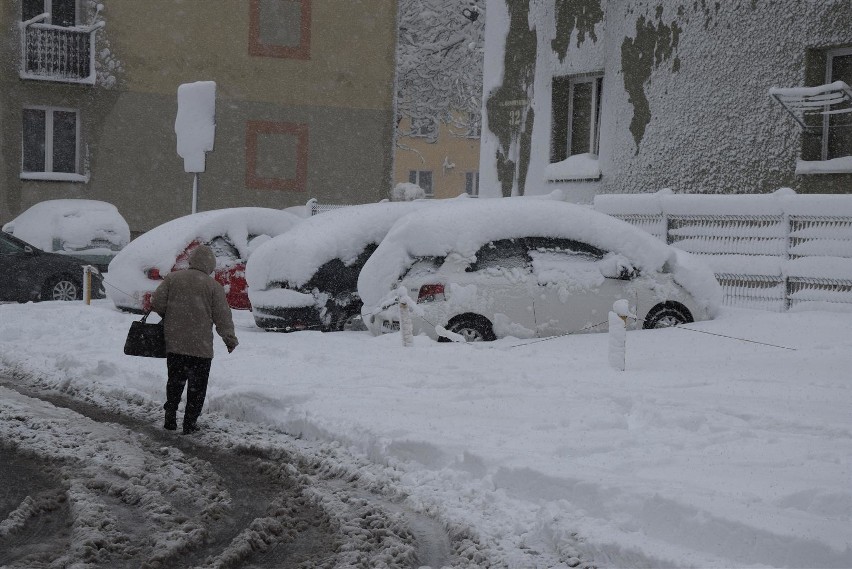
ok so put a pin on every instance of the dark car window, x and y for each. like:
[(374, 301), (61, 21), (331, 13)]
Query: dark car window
[(335, 277), (226, 254), (563, 245), (502, 254), (10, 246), (423, 266)]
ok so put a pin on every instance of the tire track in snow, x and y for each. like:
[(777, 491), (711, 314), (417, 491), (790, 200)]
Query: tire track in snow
[(259, 510)]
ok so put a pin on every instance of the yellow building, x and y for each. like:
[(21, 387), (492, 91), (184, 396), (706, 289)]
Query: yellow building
[(88, 100), (444, 163)]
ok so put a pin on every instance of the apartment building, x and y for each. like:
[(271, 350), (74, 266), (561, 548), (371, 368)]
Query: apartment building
[(611, 96), (88, 101)]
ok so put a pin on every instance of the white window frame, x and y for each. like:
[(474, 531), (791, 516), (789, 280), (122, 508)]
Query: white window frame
[(595, 132), (829, 71), (48, 173), (416, 175)]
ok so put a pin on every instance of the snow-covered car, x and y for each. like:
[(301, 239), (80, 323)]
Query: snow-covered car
[(233, 234), (306, 279), (528, 268), (91, 230), (30, 274)]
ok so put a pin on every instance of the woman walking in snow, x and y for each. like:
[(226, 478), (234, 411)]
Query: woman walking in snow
[(191, 302)]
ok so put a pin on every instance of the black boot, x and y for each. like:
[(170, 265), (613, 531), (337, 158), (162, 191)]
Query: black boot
[(171, 421)]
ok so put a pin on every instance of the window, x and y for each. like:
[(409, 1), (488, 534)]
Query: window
[(422, 178), (50, 141), (471, 184), (424, 127), (576, 105), (502, 254), (280, 28), (62, 12), (837, 128)]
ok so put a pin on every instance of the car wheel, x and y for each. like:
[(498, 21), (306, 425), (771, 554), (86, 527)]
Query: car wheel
[(62, 288), (472, 328), (667, 315)]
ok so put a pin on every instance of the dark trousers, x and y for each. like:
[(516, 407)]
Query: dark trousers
[(185, 370)]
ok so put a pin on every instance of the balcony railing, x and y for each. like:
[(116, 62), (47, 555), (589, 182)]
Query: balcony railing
[(57, 53)]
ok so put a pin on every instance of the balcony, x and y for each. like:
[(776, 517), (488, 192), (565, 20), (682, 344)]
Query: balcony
[(58, 53)]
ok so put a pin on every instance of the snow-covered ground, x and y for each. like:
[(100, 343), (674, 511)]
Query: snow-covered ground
[(705, 452)]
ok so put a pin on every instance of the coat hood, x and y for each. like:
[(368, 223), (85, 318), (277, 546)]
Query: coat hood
[(203, 259)]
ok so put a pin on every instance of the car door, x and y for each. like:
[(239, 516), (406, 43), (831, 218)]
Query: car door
[(499, 286), (572, 293)]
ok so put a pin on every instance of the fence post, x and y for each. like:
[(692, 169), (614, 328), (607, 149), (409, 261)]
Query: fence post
[(618, 333), (406, 328), (87, 283)]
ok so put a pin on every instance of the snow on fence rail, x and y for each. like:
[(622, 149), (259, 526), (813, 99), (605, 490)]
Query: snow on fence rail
[(771, 251)]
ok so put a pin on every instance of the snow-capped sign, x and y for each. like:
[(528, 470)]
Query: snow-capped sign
[(195, 125)]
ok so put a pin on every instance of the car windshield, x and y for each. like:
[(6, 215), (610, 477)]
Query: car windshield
[(9, 245)]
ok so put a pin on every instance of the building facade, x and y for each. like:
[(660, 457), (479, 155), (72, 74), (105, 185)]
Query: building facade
[(629, 96), (442, 159), (88, 101)]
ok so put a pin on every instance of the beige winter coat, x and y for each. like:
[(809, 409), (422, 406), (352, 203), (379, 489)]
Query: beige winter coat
[(192, 302)]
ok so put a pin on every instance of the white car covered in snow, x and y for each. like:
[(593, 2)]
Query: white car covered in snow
[(528, 268), (91, 230), (233, 234), (306, 279)]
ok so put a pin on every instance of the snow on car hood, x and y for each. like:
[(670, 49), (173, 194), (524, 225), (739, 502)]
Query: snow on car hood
[(467, 226), (338, 234), (75, 223), (159, 247)]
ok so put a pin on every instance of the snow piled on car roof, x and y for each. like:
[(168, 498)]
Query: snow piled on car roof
[(159, 247), (465, 228), (75, 223), (338, 234)]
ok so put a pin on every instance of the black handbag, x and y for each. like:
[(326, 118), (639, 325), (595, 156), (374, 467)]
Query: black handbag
[(146, 340)]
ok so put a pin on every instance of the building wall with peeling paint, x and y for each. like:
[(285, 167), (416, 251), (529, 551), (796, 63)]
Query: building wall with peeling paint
[(685, 101)]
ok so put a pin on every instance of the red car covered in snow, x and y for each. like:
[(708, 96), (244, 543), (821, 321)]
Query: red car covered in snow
[(233, 234)]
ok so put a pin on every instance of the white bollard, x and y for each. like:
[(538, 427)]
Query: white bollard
[(618, 333), (406, 328)]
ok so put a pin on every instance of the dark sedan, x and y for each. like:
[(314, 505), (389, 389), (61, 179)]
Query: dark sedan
[(30, 274)]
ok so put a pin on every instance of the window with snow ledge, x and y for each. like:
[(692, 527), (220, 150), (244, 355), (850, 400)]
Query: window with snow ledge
[(276, 156), (422, 178), (575, 130), (577, 168), (50, 144), (280, 28)]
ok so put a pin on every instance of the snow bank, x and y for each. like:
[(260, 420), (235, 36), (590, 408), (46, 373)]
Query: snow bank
[(705, 452)]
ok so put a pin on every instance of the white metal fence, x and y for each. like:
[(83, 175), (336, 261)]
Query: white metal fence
[(775, 252)]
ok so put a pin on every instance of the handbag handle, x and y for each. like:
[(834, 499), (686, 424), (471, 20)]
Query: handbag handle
[(145, 317)]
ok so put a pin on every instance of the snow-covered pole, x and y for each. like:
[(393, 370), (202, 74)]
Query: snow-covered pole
[(195, 127), (87, 283), (406, 328), (618, 333)]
